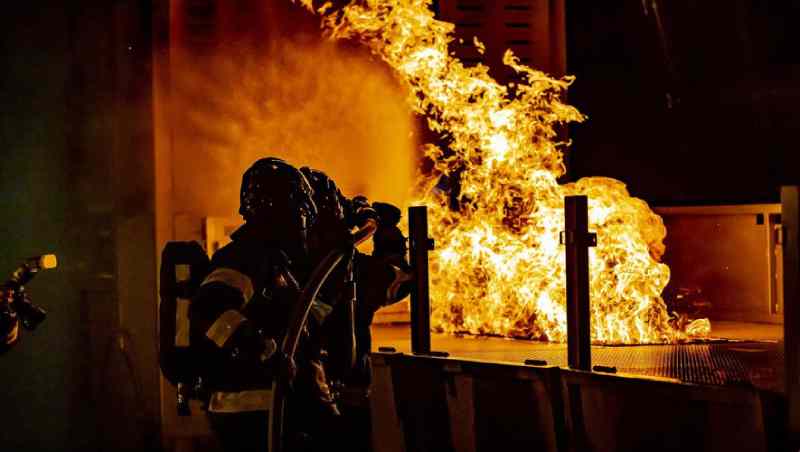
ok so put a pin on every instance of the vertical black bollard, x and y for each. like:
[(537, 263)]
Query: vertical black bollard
[(420, 244), (578, 240), (790, 219)]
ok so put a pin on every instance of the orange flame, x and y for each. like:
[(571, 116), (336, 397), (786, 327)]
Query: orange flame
[(499, 267)]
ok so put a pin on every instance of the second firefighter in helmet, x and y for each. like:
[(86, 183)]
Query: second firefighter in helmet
[(380, 279)]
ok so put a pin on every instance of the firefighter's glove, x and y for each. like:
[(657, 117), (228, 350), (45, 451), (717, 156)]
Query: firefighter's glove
[(287, 369), (388, 214), (362, 211), (249, 344), (270, 347), (390, 243)]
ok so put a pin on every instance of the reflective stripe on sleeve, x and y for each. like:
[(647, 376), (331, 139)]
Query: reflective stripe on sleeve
[(237, 402), (182, 322), (13, 335), (224, 327), (232, 278)]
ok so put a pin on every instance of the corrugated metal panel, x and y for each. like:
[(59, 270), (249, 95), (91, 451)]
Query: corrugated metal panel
[(529, 28), (200, 22)]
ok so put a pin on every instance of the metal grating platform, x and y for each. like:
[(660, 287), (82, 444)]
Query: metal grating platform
[(710, 364), (757, 363)]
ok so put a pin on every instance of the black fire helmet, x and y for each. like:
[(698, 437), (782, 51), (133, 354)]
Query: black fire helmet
[(272, 189), (327, 196)]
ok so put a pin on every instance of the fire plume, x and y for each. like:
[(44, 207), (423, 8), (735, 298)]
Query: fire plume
[(499, 267)]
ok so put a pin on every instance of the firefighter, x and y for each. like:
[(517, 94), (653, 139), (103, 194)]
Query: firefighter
[(241, 309), (15, 306), (380, 279)]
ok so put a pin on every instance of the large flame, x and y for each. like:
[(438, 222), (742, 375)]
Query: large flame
[(499, 267)]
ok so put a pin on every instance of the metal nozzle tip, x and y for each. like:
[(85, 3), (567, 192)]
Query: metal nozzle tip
[(48, 261)]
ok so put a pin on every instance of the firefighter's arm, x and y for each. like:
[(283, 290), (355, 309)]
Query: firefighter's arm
[(217, 320)]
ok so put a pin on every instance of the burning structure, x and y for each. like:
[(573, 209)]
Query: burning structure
[(499, 268), (149, 112)]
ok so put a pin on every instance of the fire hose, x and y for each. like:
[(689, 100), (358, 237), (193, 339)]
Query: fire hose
[(297, 323)]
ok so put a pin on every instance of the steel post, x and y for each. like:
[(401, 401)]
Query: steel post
[(577, 239), (420, 244), (790, 219)]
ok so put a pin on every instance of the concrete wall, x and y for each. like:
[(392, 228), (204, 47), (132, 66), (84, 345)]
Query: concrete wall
[(77, 179)]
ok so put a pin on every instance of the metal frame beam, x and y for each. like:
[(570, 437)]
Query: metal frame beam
[(577, 240), (790, 219), (420, 244)]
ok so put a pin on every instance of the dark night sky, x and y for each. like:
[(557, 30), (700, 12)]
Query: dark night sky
[(730, 69)]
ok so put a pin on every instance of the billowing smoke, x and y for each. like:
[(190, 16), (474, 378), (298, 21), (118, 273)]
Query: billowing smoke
[(313, 103)]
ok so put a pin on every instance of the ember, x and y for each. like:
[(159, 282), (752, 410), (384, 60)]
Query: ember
[(499, 267)]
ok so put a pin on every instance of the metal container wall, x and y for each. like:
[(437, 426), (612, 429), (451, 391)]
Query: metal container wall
[(730, 253)]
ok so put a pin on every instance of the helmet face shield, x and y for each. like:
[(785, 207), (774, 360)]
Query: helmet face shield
[(275, 191)]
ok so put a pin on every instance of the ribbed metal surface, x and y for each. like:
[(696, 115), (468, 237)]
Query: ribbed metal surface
[(756, 363)]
